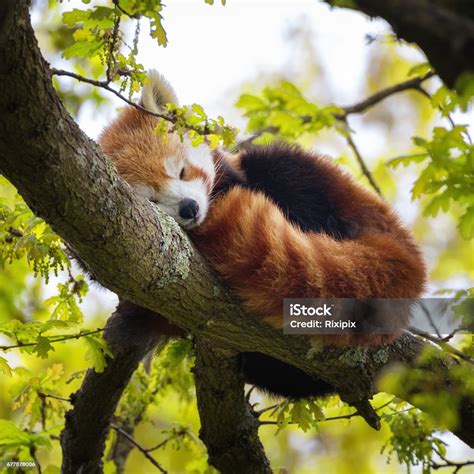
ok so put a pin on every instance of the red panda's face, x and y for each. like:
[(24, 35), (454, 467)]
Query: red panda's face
[(187, 177), (174, 175)]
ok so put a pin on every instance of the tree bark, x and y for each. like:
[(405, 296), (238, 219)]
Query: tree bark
[(88, 422), (137, 251), (229, 429), (443, 29)]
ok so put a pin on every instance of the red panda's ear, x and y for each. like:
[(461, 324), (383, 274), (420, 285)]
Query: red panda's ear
[(157, 92)]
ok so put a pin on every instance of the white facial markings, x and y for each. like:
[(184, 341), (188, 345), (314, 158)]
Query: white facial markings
[(174, 190), (173, 166), (201, 157)]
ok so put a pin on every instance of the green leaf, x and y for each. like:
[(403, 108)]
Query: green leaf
[(82, 49), (102, 17), (465, 88), (13, 437), (352, 4), (178, 350), (287, 123), (4, 367), (250, 102), (405, 160), (421, 142), (214, 140), (51, 469), (301, 415), (420, 69), (197, 140), (43, 347), (97, 350), (466, 224), (156, 29), (75, 16), (199, 111)]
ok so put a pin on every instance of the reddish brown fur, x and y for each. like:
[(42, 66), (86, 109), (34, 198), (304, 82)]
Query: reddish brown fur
[(265, 258), (137, 151)]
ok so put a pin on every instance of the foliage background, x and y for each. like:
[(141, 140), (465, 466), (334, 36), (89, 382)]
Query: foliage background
[(214, 55)]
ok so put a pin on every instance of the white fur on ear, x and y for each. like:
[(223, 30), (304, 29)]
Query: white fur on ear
[(157, 92)]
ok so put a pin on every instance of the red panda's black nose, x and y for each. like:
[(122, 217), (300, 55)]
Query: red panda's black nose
[(188, 208)]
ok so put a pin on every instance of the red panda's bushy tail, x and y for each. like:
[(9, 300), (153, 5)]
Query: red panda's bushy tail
[(264, 258)]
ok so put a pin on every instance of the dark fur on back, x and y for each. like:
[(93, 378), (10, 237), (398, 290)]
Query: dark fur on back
[(293, 179)]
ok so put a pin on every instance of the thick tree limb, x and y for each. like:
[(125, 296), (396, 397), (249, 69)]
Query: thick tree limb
[(87, 424), (443, 29), (228, 427), (137, 251)]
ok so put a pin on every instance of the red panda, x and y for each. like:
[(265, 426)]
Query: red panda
[(275, 222)]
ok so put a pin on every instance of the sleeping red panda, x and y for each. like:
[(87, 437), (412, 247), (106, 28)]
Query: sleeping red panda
[(275, 222)]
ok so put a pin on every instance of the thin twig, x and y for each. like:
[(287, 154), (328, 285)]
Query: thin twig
[(125, 12), (111, 63), (441, 342), (62, 338), (365, 170), (178, 434), (448, 337), (204, 130), (447, 463), (331, 418), (264, 410), (105, 85), (143, 450), (49, 395), (430, 319), (374, 99), (35, 459)]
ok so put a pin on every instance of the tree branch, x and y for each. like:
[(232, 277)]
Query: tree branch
[(65, 179), (229, 429), (449, 464), (205, 130), (443, 30), (363, 166), (52, 341), (135, 443), (358, 108), (331, 418), (411, 84), (106, 86), (88, 422)]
